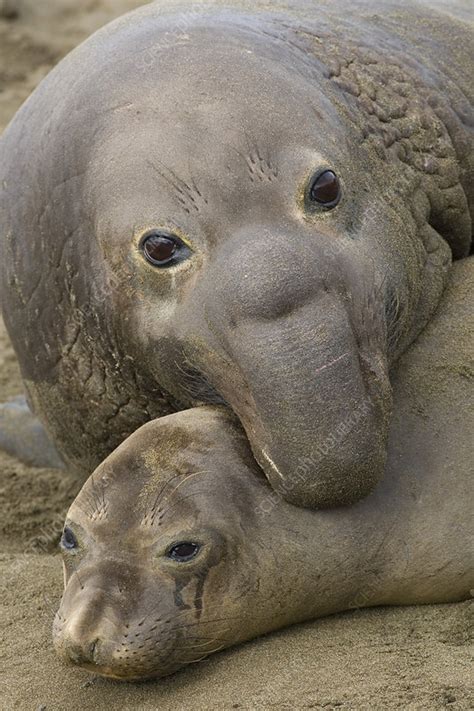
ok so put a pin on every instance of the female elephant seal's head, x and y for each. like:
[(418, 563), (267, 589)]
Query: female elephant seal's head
[(157, 573), (210, 222), (176, 547)]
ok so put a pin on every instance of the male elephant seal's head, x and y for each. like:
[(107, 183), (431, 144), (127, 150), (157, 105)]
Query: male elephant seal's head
[(214, 232), (159, 550)]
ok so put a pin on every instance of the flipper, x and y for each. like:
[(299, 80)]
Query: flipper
[(23, 436)]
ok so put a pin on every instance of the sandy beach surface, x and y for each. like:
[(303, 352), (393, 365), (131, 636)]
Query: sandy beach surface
[(406, 658)]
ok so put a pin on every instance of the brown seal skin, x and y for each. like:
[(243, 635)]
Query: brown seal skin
[(200, 136), (249, 562)]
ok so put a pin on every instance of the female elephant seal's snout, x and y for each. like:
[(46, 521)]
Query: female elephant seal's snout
[(177, 547)]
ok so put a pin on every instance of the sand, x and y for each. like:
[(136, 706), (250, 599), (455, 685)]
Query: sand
[(407, 658)]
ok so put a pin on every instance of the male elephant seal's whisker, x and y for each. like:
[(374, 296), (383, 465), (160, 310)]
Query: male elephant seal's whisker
[(270, 461), (197, 386), (333, 362)]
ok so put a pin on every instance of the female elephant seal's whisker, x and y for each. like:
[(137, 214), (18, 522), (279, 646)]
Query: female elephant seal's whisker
[(161, 498)]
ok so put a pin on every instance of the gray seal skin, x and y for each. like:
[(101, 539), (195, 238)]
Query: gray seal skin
[(200, 136), (177, 546)]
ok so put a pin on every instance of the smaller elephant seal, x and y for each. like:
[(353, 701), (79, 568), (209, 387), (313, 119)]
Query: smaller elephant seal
[(177, 547)]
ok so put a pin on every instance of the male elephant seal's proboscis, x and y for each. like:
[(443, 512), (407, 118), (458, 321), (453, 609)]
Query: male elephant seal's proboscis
[(243, 203), (176, 546)]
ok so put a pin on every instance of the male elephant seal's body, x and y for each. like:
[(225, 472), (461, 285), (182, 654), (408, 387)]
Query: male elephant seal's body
[(177, 547), (244, 203)]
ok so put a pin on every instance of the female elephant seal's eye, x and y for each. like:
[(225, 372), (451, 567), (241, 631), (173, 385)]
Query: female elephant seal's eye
[(326, 189), (68, 540), (182, 552), (162, 249)]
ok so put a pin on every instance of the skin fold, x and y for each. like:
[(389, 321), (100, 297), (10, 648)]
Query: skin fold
[(211, 123), (131, 612)]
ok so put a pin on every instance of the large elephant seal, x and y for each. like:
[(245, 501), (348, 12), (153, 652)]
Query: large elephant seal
[(177, 546), (243, 203)]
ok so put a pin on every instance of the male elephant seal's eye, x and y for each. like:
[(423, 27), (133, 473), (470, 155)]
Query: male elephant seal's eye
[(68, 540), (326, 189), (162, 249), (182, 552)]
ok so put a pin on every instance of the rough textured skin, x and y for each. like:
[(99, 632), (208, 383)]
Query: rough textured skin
[(130, 612), (209, 121)]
